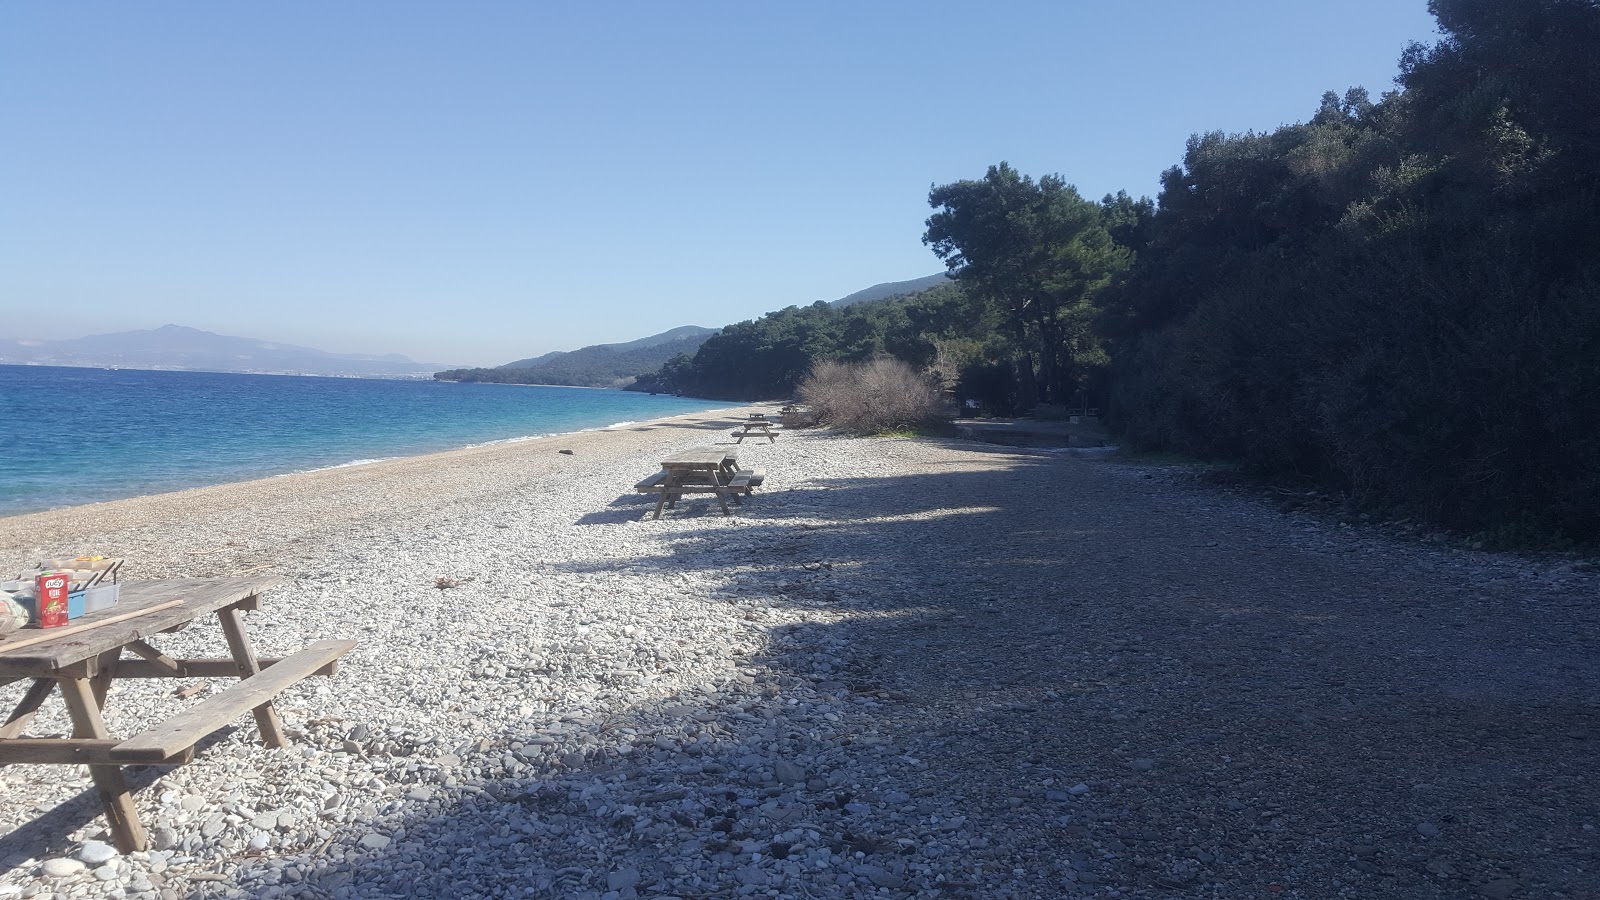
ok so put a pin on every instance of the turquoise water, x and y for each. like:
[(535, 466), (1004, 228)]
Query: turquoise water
[(83, 435)]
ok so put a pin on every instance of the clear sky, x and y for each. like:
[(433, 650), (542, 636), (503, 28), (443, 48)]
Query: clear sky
[(474, 182)]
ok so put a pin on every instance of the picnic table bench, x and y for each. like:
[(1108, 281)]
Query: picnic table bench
[(84, 658), (757, 425), (710, 470)]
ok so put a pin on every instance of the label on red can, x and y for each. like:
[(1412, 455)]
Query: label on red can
[(51, 591)]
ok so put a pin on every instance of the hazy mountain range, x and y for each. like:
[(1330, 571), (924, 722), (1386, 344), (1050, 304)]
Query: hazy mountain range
[(184, 348), (180, 347)]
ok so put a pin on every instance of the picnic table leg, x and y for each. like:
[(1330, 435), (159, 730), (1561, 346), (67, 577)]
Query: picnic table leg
[(101, 682), (126, 829), (22, 716), (244, 656), (666, 488)]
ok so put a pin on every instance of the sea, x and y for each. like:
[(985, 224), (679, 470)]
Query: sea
[(80, 435)]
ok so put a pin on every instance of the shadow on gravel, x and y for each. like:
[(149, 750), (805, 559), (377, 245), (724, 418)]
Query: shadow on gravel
[(1041, 678), (49, 834)]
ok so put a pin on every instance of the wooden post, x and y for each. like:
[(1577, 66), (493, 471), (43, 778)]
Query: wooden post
[(126, 829), (245, 657)]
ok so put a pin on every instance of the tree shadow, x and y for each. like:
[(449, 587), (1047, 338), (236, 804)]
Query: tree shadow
[(1040, 678)]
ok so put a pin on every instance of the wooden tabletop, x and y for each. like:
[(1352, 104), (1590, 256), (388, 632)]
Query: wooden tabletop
[(80, 640), (707, 457)]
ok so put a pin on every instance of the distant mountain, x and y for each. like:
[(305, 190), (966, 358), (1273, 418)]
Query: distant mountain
[(179, 347), (892, 289), (599, 365)]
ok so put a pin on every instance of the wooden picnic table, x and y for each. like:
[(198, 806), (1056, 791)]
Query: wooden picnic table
[(709, 470), (754, 426), (84, 658)]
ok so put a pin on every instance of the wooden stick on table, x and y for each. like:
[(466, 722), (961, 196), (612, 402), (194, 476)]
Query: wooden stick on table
[(53, 633)]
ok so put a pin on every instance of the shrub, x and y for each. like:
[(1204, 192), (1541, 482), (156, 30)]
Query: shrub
[(881, 395)]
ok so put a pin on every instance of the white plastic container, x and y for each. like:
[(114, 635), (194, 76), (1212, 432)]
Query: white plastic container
[(100, 597)]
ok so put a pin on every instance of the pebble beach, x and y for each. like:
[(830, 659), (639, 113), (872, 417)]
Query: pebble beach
[(906, 667)]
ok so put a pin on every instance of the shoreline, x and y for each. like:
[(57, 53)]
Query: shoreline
[(35, 532), (362, 463)]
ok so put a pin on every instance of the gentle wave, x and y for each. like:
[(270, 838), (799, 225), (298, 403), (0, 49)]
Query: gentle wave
[(343, 465)]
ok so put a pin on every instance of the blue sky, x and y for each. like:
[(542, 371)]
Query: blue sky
[(477, 182)]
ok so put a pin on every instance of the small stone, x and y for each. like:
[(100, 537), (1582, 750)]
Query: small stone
[(163, 838), (260, 840), (106, 872), (573, 760), (191, 803), (1078, 789), (857, 808), (1499, 889), (97, 853), (1427, 829), (1142, 765), (897, 797), (565, 452), (447, 761), (419, 794), (375, 841), (788, 773), (213, 826), (63, 868), (622, 879), (285, 821), (1057, 796), (265, 821)]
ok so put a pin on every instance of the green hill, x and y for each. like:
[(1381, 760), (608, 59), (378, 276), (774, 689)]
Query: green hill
[(599, 365)]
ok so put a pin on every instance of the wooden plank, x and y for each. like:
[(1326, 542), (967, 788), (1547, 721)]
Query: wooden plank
[(126, 829), (188, 727), (708, 456), (208, 667), (52, 634), (22, 716), (161, 660), (653, 482), (245, 656), (69, 751), (146, 608)]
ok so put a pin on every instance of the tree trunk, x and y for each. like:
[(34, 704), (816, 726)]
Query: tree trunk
[(1027, 385)]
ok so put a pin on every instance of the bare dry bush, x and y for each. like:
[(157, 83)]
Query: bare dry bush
[(884, 394)]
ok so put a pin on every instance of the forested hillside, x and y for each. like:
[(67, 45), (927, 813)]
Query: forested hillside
[(600, 365), (1398, 299)]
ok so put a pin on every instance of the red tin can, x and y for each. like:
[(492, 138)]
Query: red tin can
[(51, 593)]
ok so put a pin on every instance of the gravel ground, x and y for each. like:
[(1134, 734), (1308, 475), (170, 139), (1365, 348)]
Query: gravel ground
[(906, 668)]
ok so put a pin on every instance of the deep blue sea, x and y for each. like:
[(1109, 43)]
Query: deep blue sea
[(82, 435)]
